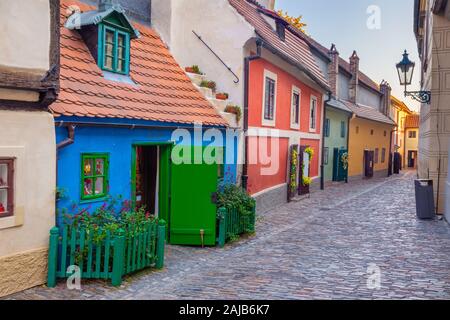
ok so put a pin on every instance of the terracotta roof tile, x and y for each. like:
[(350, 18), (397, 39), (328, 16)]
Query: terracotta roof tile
[(162, 91), (293, 47), (412, 121)]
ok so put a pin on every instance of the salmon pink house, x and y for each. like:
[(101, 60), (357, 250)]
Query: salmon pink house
[(267, 70), (284, 98)]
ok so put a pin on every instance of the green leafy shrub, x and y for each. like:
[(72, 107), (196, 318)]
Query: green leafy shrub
[(233, 196), (208, 84)]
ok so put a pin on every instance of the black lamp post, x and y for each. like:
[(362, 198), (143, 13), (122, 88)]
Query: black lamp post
[(405, 69)]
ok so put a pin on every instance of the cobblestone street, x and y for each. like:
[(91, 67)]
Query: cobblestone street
[(318, 248)]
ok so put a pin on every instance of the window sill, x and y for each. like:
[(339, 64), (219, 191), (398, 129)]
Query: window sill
[(87, 201), (14, 221), (269, 123)]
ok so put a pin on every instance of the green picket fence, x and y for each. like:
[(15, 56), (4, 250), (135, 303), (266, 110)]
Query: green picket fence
[(232, 223), (112, 257)]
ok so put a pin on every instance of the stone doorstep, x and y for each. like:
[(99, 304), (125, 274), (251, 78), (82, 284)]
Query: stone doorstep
[(231, 119), (301, 198), (196, 78), (207, 92), (220, 105)]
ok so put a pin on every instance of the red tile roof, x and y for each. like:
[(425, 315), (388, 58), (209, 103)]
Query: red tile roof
[(412, 121), (293, 48), (162, 91)]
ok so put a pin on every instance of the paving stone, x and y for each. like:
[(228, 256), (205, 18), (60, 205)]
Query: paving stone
[(304, 252)]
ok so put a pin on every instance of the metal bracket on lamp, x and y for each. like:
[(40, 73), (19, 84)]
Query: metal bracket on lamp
[(421, 96)]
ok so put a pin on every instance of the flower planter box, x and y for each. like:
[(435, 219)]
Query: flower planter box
[(302, 190), (222, 96), (113, 257)]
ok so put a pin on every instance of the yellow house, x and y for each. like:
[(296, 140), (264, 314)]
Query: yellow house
[(411, 139), (399, 113), (369, 142)]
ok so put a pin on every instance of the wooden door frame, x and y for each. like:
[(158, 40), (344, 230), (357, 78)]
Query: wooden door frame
[(162, 166)]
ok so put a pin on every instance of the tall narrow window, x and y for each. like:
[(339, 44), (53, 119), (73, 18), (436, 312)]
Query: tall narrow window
[(375, 160), (327, 128), (115, 50), (313, 114), (94, 176), (326, 155), (295, 108), (343, 129), (6, 187), (270, 100), (383, 155)]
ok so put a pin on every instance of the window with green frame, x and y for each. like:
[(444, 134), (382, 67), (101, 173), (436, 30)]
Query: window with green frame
[(94, 175), (114, 50)]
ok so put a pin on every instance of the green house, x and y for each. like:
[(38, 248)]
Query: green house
[(336, 141)]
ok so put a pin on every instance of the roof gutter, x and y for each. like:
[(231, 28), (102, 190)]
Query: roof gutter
[(247, 60)]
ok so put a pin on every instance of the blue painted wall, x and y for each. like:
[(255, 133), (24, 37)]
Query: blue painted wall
[(118, 143)]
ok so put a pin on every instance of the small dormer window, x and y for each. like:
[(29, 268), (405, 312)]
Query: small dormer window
[(281, 30), (107, 33), (115, 50)]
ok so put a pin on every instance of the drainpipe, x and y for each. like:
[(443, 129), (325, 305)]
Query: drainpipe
[(322, 164), (69, 140), (391, 153), (66, 142), (247, 61), (348, 140)]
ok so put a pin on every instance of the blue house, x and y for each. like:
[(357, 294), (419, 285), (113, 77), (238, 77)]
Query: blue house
[(130, 123)]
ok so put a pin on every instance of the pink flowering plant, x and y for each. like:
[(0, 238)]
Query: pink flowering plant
[(113, 215)]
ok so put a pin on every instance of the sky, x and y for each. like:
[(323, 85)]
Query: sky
[(379, 47)]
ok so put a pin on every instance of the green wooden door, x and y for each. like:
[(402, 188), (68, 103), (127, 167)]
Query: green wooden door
[(192, 211), (343, 165)]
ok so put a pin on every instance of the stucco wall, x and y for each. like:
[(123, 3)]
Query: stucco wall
[(118, 143), (343, 84), (30, 138), (220, 26), (25, 34), (411, 144), (364, 140), (368, 98), (335, 140), (435, 118)]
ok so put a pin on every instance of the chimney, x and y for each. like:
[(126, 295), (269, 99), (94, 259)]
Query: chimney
[(386, 90), (104, 5), (354, 70), (268, 4), (333, 69)]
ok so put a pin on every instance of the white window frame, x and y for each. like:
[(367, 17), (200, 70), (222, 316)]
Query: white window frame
[(311, 129), (274, 77), (296, 90)]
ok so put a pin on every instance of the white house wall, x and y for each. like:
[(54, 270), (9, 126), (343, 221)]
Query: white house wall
[(25, 35), (220, 26)]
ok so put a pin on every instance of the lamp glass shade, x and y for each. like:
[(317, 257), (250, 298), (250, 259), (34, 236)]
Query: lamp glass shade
[(405, 70)]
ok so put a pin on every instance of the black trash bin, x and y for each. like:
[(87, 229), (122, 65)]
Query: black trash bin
[(424, 199)]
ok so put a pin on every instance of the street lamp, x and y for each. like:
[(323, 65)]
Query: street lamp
[(405, 69)]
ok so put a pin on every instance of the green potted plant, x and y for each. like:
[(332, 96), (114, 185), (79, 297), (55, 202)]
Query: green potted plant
[(222, 96), (193, 69), (208, 84), (235, 110)]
